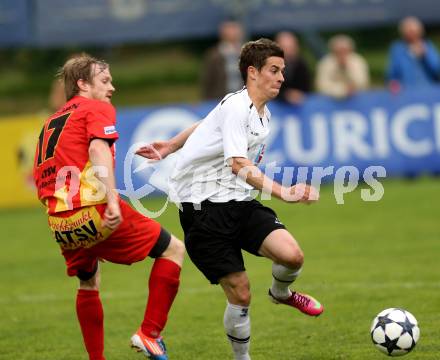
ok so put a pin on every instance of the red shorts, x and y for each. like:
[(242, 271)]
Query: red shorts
[(83, 240)]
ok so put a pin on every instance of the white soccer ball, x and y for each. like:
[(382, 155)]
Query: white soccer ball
[(395, 331)]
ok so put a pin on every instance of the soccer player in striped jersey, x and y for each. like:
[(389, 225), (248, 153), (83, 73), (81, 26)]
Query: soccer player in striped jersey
[(215, 173)]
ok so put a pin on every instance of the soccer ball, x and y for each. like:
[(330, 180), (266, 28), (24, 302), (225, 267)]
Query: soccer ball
[(395, 331)]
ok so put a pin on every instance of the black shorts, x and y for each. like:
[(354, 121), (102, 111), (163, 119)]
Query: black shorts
[(217, 232)]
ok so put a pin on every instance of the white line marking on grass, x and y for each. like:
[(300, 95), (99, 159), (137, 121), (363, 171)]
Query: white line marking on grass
[(53, 297), (368, 285)]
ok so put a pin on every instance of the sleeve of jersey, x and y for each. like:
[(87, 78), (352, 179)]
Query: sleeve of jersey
[(101, 122), (234, 132)]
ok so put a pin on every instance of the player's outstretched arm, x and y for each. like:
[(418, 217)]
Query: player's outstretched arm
[(161, 149), (300, 193)]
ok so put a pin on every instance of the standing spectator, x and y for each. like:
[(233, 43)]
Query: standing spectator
[(297, 77), (342, 72), (413, 61), (220, 73)]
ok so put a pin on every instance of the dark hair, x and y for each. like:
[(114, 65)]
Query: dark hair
[(255, 53), (76, 68)]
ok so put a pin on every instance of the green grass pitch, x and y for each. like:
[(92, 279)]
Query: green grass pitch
[(360, 258)]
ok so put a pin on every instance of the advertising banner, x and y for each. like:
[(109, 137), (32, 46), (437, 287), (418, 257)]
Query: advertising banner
[(398, 133), (61, 22), (371, 133), (67, 22), (14, 22), (19, 140)]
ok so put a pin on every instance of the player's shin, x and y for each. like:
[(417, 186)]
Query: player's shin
[(91, 320), (163, 286), (238, 330), (282, 277)]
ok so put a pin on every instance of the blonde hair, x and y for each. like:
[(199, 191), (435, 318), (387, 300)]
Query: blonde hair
[(78, 67)]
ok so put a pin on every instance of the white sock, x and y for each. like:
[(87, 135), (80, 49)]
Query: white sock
[(238, 329), (282, 277)]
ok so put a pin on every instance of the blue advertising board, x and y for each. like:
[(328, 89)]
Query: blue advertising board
[(14, 22), (268, 16), (400, 133), (61, 22), (109, 22)]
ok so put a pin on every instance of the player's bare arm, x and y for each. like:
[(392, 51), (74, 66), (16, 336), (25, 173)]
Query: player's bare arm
[(245, 169), (100, 155), (161, 149)]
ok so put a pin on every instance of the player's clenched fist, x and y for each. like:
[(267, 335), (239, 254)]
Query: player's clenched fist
[(112, 216), (302, 193)]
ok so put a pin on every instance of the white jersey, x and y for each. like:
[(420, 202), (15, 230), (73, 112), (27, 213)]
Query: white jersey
[(232, 129)]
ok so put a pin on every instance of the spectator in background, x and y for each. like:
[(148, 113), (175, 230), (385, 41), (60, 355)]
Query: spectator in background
[(413, 61), (342, 72), (297, 77), (220, 74)]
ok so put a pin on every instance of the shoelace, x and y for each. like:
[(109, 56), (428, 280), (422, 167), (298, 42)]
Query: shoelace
[(157, 346), (300, 300)]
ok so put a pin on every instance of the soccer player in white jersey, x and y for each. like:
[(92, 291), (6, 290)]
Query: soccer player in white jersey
[(213, 178)]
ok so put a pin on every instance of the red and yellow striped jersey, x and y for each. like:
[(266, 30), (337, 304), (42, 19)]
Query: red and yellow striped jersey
[(63, 173)]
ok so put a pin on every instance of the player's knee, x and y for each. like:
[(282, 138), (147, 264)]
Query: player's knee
[(242, 296), (295, 259), (175, 251), (298, 259), (86, 285), (239, 292), (178, 247), (90, 284)]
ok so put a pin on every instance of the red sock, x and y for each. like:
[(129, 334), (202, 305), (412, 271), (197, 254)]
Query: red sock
[(163, 285), (91, 320)]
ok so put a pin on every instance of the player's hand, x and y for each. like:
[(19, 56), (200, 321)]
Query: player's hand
[(112, 215), (156, 151), (303, 193)]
